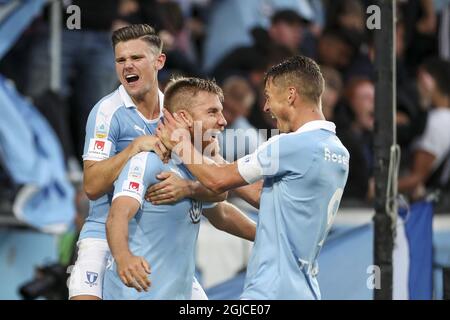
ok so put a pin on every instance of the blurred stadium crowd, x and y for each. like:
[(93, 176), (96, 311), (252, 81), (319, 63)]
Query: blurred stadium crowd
[(235, 42)]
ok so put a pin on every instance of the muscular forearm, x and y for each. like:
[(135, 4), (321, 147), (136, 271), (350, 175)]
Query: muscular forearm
[(117, 235), (228, 218), (100, 176), (251, 193), (216, 177), (201, 193), (123, 209)]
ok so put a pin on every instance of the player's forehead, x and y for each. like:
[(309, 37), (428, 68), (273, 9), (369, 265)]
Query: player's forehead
[(133, 47), (269, 86), (207, 100)]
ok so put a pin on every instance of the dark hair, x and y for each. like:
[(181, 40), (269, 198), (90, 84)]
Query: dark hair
[(440, 71), (300, 72), (189, 88), (137, 31), (288, 16)]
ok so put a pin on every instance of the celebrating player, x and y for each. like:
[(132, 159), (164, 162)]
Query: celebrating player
[(164, 236), (304, 169)]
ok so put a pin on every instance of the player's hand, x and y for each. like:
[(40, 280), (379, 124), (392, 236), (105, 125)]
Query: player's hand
[(171, 189), (173, 130), (134, 271), (151, 143)]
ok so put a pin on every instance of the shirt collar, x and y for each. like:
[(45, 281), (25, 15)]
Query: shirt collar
[(316, 125), (130, 104)]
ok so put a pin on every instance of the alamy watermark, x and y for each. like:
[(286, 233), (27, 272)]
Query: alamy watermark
[(73, 21), (374, 279), (373, 22)]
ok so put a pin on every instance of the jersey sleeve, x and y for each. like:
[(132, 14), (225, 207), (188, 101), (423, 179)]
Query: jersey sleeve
[(264, 162), (282, 154), (138, 174), (101, 135), (435, 139)]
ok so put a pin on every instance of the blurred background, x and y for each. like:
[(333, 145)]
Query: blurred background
[(56, 62)]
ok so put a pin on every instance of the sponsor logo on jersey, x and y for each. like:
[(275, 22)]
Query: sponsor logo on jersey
[(99, 148), (134, 186), (99, 145)]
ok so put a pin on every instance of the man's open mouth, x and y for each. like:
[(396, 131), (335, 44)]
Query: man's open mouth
[(130, 78)]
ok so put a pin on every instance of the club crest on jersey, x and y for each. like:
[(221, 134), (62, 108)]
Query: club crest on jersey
[(195, 211), (91, 278)]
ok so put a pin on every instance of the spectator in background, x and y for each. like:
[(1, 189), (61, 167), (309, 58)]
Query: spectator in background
[(336, 49), (357, 136), (332, 93), (170, 23), (230, 22), (421, 33), (285, 31), (347, 15), (239, 137), (259, 118), (432, 148), (411, 114), (345, 51), (87, 70)]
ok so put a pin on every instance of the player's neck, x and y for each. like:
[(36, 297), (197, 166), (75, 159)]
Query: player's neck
[(304, 116), (148, 104)]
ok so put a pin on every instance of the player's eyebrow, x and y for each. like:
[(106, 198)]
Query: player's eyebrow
[(213, 109)]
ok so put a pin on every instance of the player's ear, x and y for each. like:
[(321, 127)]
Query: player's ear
[(160, 61), (186, 116), (292, 94)]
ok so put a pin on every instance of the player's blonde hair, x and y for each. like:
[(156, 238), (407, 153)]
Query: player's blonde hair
[(180, 91)]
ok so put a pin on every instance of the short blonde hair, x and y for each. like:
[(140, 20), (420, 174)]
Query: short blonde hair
[(180, 90)]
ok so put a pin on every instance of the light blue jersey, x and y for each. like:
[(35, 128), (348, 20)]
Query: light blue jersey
[(112, 124), (165, 235), (304, 177)]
